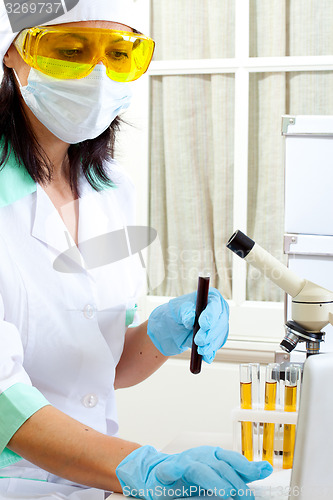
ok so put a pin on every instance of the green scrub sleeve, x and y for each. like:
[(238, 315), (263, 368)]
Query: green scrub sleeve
[(15, 182), (17, 404), (131, 316)]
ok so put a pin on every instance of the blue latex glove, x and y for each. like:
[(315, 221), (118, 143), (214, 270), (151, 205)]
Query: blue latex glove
[(170, 326), (149, 474)]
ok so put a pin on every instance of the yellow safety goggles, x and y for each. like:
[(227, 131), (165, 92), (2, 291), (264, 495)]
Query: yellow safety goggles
[(73, 52)]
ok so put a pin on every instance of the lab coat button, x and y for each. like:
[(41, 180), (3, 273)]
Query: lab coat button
[(90, 400), (89, 311)]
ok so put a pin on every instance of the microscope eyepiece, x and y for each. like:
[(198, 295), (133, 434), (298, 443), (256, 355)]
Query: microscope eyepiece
[(240, 244)]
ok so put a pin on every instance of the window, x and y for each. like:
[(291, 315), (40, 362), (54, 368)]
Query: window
[(206, 147), (224, 73)]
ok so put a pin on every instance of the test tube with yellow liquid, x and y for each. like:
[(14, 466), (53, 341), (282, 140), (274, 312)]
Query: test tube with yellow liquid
[(249, 380), (271, 399), (246, 404), (292, 380)]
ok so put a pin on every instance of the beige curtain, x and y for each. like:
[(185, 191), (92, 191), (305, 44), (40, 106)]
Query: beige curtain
[(281, 28), (192, 132), (267, 104), (192, 146)]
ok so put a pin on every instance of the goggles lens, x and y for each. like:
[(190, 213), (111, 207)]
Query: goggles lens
[(72, 53)]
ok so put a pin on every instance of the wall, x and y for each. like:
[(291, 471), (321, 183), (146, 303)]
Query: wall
[(174, 401)]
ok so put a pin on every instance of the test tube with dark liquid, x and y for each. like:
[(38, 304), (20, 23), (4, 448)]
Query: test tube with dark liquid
[(271, 394), (201, 304), (292, 380)]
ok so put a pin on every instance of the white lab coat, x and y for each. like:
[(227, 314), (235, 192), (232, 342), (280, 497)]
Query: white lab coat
[(64, 332)]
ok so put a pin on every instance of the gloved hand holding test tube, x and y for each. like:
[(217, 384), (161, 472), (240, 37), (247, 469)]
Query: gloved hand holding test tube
[(170, 326)]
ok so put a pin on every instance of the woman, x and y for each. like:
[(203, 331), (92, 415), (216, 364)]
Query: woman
[(65, 304)]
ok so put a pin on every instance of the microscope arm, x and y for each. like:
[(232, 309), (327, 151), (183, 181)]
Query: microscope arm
[(274, 270)]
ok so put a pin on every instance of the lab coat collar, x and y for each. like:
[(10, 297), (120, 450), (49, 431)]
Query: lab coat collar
[(49, 227)]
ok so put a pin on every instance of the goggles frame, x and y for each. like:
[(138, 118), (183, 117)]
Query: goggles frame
[(28, 43)]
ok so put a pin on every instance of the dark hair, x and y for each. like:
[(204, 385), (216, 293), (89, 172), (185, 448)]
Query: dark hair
[(16, 135)]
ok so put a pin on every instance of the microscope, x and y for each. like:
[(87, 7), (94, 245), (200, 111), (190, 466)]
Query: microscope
[(312, 305)]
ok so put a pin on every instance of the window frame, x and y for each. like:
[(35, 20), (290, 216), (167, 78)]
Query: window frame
[(254, 321)]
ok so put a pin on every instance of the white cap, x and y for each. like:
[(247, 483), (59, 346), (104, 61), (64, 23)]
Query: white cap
[(15, 18)]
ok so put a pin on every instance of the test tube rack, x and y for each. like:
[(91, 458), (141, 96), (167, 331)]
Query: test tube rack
[(256, 419)]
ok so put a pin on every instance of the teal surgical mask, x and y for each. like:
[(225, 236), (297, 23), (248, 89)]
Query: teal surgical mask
[(76, 110)]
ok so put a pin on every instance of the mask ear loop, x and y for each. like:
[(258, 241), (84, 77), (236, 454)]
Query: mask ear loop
[(17, 78)]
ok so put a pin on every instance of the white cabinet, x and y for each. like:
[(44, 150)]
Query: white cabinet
[(309, 174), (309, 202)]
